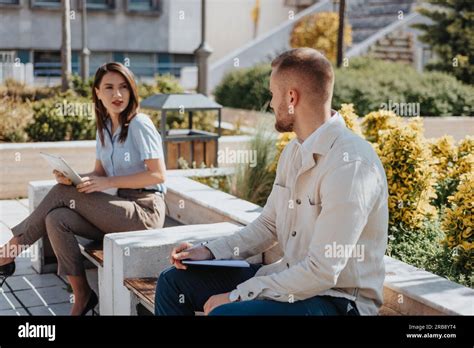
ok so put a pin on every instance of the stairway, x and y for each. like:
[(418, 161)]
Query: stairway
[(369, 16)]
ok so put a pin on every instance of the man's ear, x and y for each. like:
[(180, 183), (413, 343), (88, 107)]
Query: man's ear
[(293, 97)]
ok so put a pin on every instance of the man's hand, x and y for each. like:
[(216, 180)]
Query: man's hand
[(94, 184), (187, 251), (216, 301)]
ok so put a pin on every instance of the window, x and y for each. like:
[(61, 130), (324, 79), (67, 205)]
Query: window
[(47, 63), (181, 61), (97, 59), (142, 64), (46, 3), (142, 5), (9, 2), (100, 4)]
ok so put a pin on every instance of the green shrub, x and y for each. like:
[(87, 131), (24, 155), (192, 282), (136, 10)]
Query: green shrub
[(81, 87), (14, 117), (368, 83), (65, 117), (245, 88), (415, 247), (167, 84), (17, 90)]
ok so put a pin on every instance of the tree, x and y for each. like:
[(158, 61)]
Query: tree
[(451, 36)]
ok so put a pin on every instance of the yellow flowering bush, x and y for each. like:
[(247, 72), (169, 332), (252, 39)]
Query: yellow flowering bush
[(406, 159), (377, 121), (444, 154), (450, 163), (458, 223), (464, 161), (350, 117), (319, 31)]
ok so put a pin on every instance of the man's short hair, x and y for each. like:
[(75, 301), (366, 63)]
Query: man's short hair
[(310, 67)]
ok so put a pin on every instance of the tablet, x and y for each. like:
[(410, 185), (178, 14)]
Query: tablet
[(58, 163)]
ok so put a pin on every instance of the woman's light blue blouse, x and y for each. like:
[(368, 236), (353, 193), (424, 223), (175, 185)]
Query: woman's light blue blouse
[(143, 142)]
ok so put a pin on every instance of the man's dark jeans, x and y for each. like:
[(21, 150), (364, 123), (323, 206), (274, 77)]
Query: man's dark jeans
[(183, 292)]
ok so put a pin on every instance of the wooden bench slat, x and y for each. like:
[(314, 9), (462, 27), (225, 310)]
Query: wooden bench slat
[(144, 289), (96, 254)]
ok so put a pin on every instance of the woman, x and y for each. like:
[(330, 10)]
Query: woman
[(129, 157)]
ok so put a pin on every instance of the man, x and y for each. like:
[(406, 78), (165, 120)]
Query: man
[(327, 210)]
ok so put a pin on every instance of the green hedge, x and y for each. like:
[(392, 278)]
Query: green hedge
[(64, 117), (245, 88), (367, 83)]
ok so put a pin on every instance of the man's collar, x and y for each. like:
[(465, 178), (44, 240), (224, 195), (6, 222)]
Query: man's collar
[(321, 140)]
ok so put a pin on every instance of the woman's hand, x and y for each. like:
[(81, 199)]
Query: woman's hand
[(61, 179), (94, 184)]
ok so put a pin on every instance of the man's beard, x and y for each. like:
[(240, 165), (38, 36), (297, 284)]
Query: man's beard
[(286, 123)]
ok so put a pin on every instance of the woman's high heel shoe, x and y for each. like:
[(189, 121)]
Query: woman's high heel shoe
[(91, 303), (6, 271)]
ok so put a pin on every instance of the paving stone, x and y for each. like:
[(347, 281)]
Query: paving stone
[(7, 300), (12, 312), (58, 309), (37, 280), (50, 295)]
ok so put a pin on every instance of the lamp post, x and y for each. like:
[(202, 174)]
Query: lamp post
[(340, 35), (202, 53), (66, 47), (85, 53)]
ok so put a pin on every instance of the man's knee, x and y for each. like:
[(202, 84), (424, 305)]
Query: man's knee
[(166, 287), (167, 279)]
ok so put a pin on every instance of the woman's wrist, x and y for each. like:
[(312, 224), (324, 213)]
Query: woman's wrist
[(110, 181)]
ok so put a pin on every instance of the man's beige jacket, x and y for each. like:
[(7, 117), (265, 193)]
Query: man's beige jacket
[(328, 210)]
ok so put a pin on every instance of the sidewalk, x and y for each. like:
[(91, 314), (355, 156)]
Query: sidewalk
[(27, 292)]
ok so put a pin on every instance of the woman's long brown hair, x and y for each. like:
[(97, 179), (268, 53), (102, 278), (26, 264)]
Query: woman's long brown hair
[(100, 110)]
